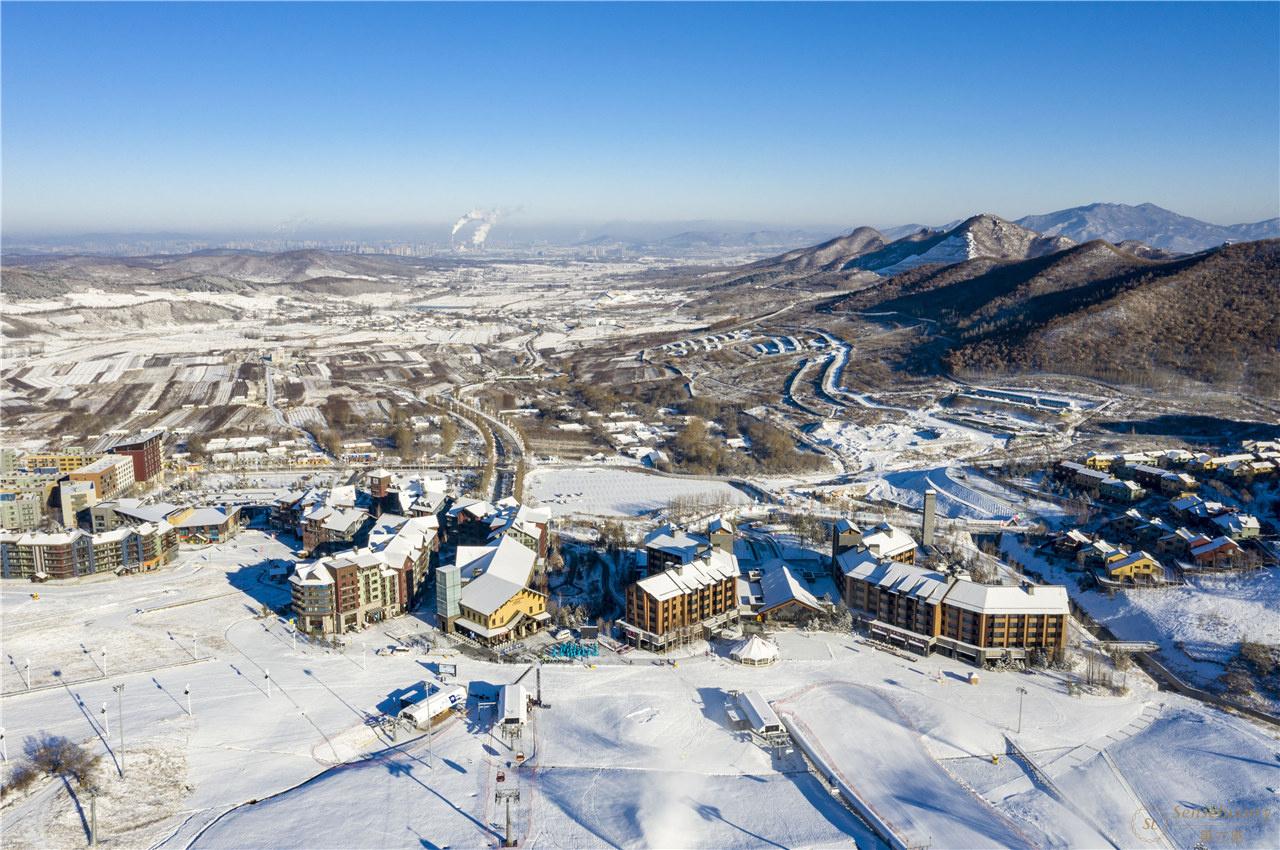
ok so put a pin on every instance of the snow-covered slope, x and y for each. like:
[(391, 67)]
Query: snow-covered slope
[(983, 235), (1147, 223)]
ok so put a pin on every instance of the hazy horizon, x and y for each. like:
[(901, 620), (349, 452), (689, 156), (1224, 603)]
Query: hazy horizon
[(269, 119)]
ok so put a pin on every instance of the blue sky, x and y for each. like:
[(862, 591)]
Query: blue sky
[(187, 116)]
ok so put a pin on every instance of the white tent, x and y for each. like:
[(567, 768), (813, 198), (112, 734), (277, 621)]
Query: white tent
[(755, 651)]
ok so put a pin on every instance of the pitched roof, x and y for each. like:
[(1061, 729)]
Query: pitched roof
[(780, 587), (715, 566), (207, 516)]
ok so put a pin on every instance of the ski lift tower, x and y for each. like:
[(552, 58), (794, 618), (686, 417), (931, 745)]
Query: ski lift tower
[(508, 796)]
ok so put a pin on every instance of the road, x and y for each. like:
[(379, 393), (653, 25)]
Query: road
[(281, 419)]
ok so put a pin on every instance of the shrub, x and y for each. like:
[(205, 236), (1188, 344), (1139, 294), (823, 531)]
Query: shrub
[(60, 756)]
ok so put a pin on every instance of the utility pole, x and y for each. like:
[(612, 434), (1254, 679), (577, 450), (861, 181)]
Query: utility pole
[(93, 816), (266, 674), (28, 676), (106, 719), (508, 795), (1022, 692), (104, 662), (186, 692), (119, 689), (195, 646), (4, 746)]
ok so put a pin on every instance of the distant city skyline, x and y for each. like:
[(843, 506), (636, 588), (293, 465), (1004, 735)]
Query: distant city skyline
[(278, 118)]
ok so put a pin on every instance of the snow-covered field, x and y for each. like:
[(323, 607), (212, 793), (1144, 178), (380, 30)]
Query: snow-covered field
[(961, 493), (626, 755), (605, 491)]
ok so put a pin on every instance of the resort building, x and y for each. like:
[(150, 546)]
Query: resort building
[(685, 601), (926, 610), (350, 590)]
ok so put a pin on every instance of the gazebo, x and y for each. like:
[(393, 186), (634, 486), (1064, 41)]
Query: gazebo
[(755, 651)]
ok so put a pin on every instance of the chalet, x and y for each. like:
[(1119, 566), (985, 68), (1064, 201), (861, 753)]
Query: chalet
[(1121, 491), (1238, 526), (1097, 461), (526, 524), (208, 525), (1071, 542), (785, 598), (496, 604), (1176, 483), (1128, 521), (329, 527), (668, 546), (1135, 568), (1146, 475), (1216, 553), (1097, 554), (1180, 542)]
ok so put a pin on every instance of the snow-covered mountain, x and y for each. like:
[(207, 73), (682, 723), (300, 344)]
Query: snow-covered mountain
[(1147, 223), (983, 235)]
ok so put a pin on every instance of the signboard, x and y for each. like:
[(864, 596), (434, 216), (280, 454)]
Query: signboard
[(589, 632), (447, 669)]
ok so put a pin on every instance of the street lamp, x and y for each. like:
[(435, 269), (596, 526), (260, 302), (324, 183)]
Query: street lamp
[(266, 674), (119, 689), (186, 692), (106, 719), (1022, 692)]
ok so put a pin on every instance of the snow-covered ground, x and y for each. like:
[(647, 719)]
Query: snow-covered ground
[(1199, 625), (893, 445), (961, 493), (605, 491), (627, 754)]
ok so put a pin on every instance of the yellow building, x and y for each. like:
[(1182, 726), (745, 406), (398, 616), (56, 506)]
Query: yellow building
[(68, 460), (1102, 463), (1135, 567), (496, 605)]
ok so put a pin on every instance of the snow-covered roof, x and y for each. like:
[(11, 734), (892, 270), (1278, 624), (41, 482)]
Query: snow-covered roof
[(496, 572), (207, 516), (1237, 523), (755, 648), (343, 520), (759, 713), (886, 541), (718, 524), (488, 593), (906, 579), (135, 509), (715, 566), (1214, 545), (1132, 559), (676, 541), (1007, 599), (477, 508), (780, 587)]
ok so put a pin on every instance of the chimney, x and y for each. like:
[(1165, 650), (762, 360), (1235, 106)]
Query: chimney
[(930, 508)]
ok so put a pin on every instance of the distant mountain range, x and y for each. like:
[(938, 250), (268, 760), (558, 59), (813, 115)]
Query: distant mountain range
[(1146, 223), (1117, 223), (867, 249), (1100, 311)]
